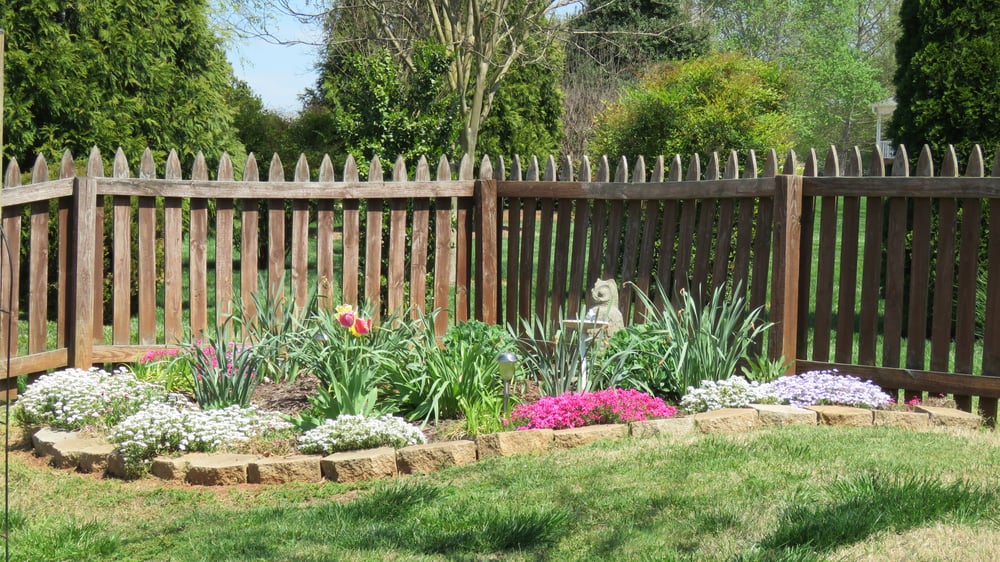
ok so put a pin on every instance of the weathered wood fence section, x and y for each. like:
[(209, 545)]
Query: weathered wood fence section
[(916, 255), (870, 274), (145, 280)]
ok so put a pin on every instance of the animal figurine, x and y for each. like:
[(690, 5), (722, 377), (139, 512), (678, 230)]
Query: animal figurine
[(604, 296)]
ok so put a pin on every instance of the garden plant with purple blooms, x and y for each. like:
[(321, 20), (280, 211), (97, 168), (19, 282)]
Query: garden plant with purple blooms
[(828, 387)]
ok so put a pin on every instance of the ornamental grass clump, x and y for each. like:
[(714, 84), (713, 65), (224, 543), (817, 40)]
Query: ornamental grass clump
[(814, 388), (74, 399), (162, 428), (224, 372), (734, 392), (350, 433), (614, 405)]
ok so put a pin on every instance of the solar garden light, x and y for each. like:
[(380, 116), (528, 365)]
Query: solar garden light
[(507, 363)]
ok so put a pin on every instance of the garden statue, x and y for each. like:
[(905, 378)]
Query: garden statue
[(604, 295)]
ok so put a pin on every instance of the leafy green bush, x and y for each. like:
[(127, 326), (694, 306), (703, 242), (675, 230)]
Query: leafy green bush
[(352, 358), (717, 102), (693, 343), (460, 379)]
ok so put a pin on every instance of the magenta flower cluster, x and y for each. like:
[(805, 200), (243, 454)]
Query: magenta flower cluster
[(614, 405)]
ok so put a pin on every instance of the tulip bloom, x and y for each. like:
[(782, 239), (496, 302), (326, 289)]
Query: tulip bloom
[(361, 326), (345, 315)]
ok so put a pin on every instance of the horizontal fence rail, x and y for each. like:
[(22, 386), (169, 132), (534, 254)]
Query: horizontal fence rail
[(874, 271)]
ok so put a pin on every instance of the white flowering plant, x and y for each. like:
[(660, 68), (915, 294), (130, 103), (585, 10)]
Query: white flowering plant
[(734, 392), (163, 428), (77, 399), (350, 432)]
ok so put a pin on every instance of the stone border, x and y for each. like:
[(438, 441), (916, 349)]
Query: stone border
[(89, 454)]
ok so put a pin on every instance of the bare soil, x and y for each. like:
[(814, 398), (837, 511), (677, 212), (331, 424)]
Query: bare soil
[(286, 397)]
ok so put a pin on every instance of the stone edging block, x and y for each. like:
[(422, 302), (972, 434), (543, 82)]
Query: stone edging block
[(726, 420), (843, 415), (219, 470), (663, 426), (778, 415), (908, 420), (423, 459), (507, 443), (577, 436), (45, 439), (949, 417), (281, 470), (356, 466)]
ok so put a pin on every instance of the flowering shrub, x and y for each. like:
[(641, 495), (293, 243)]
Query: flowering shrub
[(350, 433), (614, 405), (734, 392), (75, 399), (167, 427), (828, 387)]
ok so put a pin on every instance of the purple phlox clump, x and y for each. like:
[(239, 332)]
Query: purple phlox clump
[(614, 405), (828, 387)]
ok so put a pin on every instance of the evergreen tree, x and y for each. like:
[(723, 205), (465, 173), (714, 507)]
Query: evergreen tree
[(129, 73), (948, 75)]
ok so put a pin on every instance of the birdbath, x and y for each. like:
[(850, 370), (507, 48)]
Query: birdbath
[(588, 325)]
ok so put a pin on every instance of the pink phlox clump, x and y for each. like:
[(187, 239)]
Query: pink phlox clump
[(154, 355), (614, 405)]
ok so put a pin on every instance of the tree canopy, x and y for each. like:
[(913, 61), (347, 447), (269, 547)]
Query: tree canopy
[(948, 75), (839, 55), (130, 73), (716, 103)]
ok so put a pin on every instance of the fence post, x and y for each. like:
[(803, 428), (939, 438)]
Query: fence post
[(785, 276), (82, 255), (487, 247)]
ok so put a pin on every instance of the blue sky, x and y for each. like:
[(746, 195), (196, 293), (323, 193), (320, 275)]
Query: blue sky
[(277, 73)]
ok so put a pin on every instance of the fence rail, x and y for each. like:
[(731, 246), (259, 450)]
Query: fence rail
[(870, 273)]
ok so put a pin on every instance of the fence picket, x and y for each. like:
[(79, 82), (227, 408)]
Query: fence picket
[(224, 213), (198, 254), (373, 243), (249, 243), (325, 280), (300, 239), (442, 251), (67, 169), (419, 239), (121, 260), (10, 256), (146, 246), (276, 288), (38, 262), (95, 169), (351, 237)]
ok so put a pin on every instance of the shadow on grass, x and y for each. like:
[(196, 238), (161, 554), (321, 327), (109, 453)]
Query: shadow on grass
[(867, 504), (401, 516)]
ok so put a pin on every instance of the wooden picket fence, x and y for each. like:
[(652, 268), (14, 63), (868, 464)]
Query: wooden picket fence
[(137, 257)]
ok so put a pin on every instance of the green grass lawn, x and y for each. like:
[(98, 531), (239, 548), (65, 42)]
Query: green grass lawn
[(796, 493)]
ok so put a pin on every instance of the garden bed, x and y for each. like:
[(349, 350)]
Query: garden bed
[(74, 450)]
